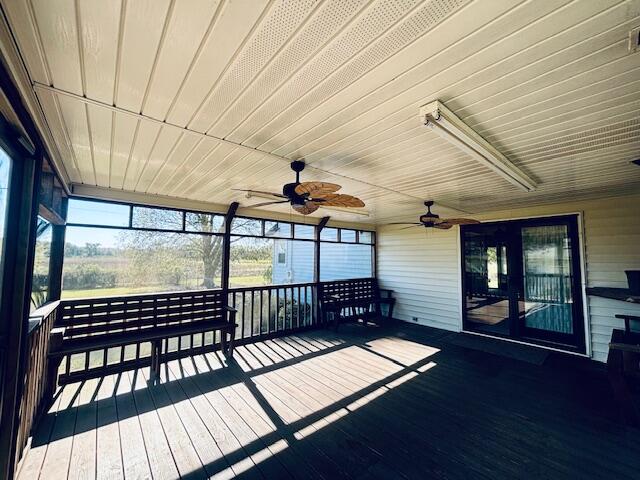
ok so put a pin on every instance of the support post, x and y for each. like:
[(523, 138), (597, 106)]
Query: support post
[(226, 260), (316, 266), (57, 256), (226, 248)]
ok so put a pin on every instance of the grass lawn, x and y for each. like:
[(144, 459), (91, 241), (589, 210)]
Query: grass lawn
[(247, 281)]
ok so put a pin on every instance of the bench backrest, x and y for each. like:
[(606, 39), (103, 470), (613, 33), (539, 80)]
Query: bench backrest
[(106, 315), (349, 291)]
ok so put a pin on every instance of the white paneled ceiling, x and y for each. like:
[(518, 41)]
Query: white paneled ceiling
[(192, 98)]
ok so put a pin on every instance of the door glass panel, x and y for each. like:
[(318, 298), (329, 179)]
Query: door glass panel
[(486, 286), (547, 302), (5, 175)]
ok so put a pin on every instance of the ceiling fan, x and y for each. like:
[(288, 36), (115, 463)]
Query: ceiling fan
[(306, 197), (430, 219)]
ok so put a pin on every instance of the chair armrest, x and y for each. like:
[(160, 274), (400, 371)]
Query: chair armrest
[(230, 309)]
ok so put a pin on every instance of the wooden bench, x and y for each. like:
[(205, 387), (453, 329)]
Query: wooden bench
[(102, 323), (623, 367), (354, 299)]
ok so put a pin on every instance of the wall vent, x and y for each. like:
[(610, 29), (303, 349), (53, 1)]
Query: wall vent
[(634, 40)]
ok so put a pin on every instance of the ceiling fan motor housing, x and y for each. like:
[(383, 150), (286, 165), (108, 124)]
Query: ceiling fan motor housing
[(289, 190), (429, 218)]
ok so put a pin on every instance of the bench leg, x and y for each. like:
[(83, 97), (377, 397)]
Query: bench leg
[(615, 371), (156, 346), (223, 342), (229, 348)]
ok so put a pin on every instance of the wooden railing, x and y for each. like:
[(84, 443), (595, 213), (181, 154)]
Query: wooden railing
[(40, 374), (274, 309)]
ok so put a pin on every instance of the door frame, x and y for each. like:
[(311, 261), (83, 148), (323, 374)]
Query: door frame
[(584, 348)]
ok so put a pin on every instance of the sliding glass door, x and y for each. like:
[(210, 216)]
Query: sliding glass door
[(521, 280)]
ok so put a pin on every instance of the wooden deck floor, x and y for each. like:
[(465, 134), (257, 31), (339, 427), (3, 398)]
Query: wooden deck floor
[(375, 403)]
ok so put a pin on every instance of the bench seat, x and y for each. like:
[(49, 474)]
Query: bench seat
[(88, 325), (352, 299)]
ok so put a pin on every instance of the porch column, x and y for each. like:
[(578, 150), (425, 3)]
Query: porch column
[(316, 265), (226, 244)]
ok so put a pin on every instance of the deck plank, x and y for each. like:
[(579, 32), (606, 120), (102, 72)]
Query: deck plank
[(161, 461), (261, 454), (211, 457), (240, 462), (82, 465), (135, 462), (56, 461), (184, 453), (31, 464), (368, 403), (109, 462)]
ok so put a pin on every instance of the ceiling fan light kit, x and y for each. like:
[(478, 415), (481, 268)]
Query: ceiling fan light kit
[(443, 122)]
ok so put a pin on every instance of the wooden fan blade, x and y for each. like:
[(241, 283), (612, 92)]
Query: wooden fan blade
[(259, 192), (339, 200), (403, 223), (411, 226), (264, 204), (443, 226), (459, 221), (306, 209), (316, 188)]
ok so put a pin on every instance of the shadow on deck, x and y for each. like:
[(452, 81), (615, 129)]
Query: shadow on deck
[(398, 402)]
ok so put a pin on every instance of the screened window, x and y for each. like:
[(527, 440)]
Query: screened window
[(304, 232), (204, 223), (277, 229), (268, 261), (107, 261), (341, 261), (365, 237), (348, 236), (246, 226), (41, 262), (89, 212), (156, 218), (329, 234)]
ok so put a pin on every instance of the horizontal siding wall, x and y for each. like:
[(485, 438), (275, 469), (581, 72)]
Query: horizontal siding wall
[(423, 266)]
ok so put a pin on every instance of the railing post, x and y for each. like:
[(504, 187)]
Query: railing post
[(316, 267)]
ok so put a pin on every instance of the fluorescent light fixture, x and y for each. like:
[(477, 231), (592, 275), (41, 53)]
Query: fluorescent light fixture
[(445, 123)]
